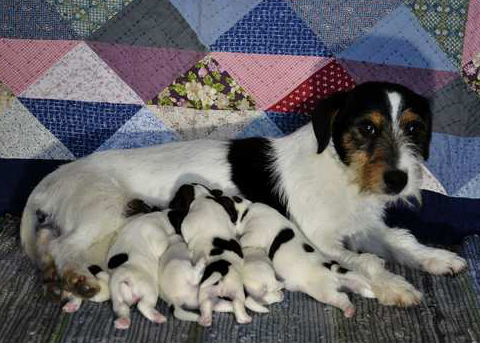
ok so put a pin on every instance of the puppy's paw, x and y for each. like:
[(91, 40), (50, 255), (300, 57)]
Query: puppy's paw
[(72, 306), (244, 319), (349, 312), (158, 318), (122, 323), (81, 285), (205, 321), (394, 290), (443, 262)]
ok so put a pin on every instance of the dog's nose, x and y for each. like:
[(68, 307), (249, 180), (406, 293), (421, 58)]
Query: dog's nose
[(395, 180)]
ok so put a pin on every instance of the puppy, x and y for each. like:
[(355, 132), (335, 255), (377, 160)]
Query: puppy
[(259, 280), (133, 262), (301, 266), (179, 279), (208, 224)]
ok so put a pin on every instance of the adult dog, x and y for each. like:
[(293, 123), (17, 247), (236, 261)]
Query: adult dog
[(333, 177)]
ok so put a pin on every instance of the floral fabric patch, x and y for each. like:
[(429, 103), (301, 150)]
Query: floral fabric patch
[(471, 73), (205, 86)]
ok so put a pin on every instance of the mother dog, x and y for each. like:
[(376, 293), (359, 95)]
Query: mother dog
[(333, 177)]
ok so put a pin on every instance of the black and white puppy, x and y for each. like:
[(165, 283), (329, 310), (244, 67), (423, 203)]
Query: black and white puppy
[(332, 177), (300, 265), (209, 225), (133, 263), (179, 279)]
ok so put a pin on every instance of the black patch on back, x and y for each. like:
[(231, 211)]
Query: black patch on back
[(183, 198), (220, 266), (282, 237), (94, 269), (137, 206), (342, 270), (176, 218), (244, 214), (308, 247), (251, 165), (216, 193), (238, 200), (231, 245), (117, 260), (228, 205), (329, 265), (216, 251)]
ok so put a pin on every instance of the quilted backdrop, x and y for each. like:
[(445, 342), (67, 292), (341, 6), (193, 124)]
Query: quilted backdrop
[(79, 76)]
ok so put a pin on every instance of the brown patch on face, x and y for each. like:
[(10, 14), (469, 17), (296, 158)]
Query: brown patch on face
[(376, 118), (369, 166), (409, 116)]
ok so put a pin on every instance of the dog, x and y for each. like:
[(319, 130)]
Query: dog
[(133, 264), (333, 177), (179, 279), (209, 226), (300, 266)]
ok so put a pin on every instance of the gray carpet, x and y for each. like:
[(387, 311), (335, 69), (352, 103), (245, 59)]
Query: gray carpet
[(450, 312)]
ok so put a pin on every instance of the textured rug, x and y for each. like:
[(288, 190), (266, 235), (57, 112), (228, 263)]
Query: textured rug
[(449, 312)]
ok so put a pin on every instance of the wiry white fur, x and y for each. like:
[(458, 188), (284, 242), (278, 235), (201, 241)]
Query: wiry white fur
[(395, 101)]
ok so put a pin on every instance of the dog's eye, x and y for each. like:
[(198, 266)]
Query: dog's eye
[(413, 127), (367, 128)]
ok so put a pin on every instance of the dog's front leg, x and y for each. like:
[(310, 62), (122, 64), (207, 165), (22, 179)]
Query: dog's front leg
[(405, 249), (388, 288)]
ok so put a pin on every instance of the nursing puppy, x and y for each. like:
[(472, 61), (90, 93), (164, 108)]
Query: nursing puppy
[(133, 262), (209, 226), (301, 266), (333, 177), (179, 279)]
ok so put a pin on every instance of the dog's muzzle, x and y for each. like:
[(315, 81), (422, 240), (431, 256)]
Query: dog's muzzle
[(395, 181)]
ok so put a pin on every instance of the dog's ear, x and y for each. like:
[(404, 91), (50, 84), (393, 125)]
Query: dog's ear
[(322, 118), (183, 198), (229, 207), (176, 218)]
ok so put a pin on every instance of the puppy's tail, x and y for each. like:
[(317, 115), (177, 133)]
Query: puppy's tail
[(28, 229)]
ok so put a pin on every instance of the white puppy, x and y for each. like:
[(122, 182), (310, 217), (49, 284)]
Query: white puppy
[(179, 279), (301, 266), (133, 261), (208, 222)]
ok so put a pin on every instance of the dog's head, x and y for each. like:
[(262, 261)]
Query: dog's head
[(381, 132)]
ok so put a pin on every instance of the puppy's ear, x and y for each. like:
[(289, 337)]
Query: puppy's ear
[(322, 118), (183, 198), (229, 207)]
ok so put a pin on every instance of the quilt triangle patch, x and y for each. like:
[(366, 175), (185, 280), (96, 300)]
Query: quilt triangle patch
[(28, 59), (471, 42), (399, 39), (422, 81), (328, 80), (261, 127), (81, 75), (149, 23), (471, 189), (272, 27), (190, 124), (146, 70), (81, 126), (205, 86), (268, 78), (143, 129), (288, 122), (23, 136)]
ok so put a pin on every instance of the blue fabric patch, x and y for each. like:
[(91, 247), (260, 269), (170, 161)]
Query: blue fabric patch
[(81, 126), (454, 160), (33, 19), (271, 28), (143, 129), (338, 23), (288, 122), (261, 126), (471, 189), (210, 18), (399, 39)]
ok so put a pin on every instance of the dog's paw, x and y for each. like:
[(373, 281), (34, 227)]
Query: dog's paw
[(244, 319), (444, 262), (122, 323), (349, 312), (205, 321), (394, 290), (72, 306), (80, 285), (158, 318)]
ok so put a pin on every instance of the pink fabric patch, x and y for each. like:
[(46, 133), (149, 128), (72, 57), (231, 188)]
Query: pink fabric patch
[(471, 42), (146, 70), (330, 79), (422, 81), (269, 78), (24, 60)]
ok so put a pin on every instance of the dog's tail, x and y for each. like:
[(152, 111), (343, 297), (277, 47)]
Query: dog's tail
[(28, 227)]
